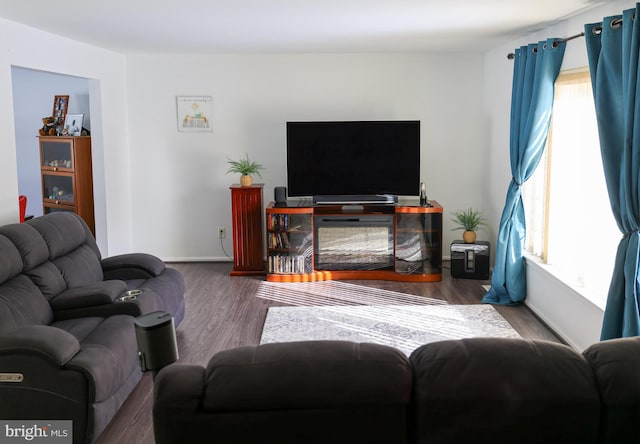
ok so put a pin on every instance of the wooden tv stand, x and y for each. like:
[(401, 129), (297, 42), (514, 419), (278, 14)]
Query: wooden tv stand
[(401, 242)]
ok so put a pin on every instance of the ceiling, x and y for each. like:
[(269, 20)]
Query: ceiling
[(258, 26)]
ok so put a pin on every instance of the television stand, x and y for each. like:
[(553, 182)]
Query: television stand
[(401, 242)]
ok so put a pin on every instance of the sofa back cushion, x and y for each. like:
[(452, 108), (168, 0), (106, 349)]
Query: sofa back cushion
[(307, 375), (72, 250), (513, 390), (29, 243), (616, 365), (21, 302), (35, 256), (314, 392), (10, 260)]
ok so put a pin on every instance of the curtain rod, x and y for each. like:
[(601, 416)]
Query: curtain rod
[(512, 55)]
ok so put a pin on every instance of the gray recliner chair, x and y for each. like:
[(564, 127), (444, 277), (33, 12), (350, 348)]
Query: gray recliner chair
[(67, 338)]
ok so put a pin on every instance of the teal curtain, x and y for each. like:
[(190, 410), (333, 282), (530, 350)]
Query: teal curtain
[(613, 46), (534, 74)]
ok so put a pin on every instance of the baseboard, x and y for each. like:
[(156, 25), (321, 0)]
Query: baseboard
[(198, 259)]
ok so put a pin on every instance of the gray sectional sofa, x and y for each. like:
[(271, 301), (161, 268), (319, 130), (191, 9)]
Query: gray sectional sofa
[(67, 339), (478, 390)]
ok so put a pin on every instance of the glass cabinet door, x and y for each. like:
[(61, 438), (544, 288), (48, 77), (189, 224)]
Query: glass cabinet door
[(289, 243), (58, 188), (56, 155), (418, 249)]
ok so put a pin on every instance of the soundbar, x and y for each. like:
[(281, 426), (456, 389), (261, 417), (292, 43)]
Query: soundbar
[(364, 220), (354, 199)]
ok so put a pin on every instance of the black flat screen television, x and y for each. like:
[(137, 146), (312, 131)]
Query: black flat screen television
[(354, 160)]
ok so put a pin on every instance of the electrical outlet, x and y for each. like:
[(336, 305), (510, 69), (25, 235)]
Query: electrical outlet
[(221, 232)]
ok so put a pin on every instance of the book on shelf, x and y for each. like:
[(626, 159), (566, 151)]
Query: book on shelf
[(279, 240), (286, 264), (279, 221)]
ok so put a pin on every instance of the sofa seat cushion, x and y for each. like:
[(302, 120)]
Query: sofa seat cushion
[(108, 352), (307, 375)]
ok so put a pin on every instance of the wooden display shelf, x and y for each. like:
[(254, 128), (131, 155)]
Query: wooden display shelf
[(66, 176)]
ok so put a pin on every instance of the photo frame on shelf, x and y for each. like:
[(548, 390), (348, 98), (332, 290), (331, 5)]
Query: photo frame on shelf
[(194, 113), (60, 107), (73, 124)]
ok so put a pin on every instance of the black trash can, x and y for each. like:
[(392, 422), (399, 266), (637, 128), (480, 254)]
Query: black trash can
[(157, 344)]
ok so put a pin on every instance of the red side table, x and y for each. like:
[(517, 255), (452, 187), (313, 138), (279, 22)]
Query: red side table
[(248, 248)]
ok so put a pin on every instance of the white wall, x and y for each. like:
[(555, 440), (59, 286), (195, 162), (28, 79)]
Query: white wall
[(9, 177), (23, 47), (180, 192), (579, 322)]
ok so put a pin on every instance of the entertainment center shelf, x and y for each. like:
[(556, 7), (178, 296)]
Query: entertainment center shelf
[(401, 242)]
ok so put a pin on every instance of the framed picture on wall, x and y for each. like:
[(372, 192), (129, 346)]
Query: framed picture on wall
[(73, 124), (194, 113), (60, 106)]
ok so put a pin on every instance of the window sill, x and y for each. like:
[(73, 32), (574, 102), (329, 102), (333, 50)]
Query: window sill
[(597, 300)]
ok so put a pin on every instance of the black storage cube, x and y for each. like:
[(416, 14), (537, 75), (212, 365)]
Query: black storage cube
[(470, 261)]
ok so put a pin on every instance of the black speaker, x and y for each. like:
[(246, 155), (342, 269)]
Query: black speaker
[(156, 337), (423, 194), (280, 194)]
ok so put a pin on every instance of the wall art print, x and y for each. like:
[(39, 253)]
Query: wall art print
[(194, 113)]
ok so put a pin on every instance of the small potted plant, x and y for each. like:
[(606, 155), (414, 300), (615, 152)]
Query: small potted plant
[(470, 221), (246, 168)]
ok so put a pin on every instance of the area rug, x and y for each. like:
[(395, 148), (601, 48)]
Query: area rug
[(405, 327), (337, 293)]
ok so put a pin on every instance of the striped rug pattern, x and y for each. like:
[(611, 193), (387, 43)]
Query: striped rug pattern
[(405, 327), (337, 293)]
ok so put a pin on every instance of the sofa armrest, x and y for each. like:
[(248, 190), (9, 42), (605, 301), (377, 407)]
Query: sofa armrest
[(616, 365), (100, 293), (51, 343), (132, 266), (179, 386), (178, 392)]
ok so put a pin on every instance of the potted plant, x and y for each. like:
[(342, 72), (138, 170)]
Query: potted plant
[(470, 221), (246, 168)]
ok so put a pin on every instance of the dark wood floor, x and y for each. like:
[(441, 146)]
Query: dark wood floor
[(222, 312)]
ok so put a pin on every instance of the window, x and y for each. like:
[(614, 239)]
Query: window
[(570, 225)]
